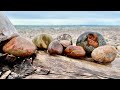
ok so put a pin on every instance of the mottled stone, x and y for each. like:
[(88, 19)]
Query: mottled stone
[(90, 40), (65, 37), (20, 47), (55, 48), (104, 54), (42, 41), (75, 51)]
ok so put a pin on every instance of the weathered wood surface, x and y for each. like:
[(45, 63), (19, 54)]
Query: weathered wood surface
[(62, 67)]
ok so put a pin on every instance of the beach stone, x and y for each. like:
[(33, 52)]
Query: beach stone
[(75, 51), (42, 41), (7, 30), (55, 48), (65, 37), (90, 40), (20, 47), (65, 43), (104, 54)]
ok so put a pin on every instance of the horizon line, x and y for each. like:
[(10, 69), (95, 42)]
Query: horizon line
[(69, 25)]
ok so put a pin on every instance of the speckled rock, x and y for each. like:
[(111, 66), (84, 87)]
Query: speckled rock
[(55, 48), (75, 51), (65, 37), (104, 54), (20, 47), (42, 41), (90, 40)]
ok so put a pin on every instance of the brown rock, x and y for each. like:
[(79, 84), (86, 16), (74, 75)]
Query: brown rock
[(55, 47), (20, 47), (65, 43), (75, 51), (104, 54), (93, 40)]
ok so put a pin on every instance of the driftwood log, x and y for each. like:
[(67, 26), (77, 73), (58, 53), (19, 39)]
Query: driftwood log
[(62, 67)]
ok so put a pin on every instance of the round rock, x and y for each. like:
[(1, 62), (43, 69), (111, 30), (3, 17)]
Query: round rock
[(65, 43), (104, 54), (65, 37), (20, 47), (55, 48), (75, 51), (90, 40), (42, 41)]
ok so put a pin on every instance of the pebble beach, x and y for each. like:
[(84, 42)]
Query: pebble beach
[(110, 33)]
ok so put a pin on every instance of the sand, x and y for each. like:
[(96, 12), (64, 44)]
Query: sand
[(111, 34)]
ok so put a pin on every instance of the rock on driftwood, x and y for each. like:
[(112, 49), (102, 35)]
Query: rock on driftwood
[(75, 51), (104, 54), (20, 47), (90, 40), (42, 41), (55, 48)]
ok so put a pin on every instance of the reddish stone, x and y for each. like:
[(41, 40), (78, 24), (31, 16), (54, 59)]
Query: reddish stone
[(93, 40), (55, 48), (75, 51), (20, 47)]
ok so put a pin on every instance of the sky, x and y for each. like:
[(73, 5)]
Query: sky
[(64, 17)]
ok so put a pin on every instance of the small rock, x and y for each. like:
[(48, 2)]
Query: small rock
[(75, 51), (20, 47), (65, 43), (65, 37), (104, 54), (42, 41), (55, 48)]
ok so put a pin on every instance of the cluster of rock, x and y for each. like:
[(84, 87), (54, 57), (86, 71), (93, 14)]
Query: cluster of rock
[(11, 42), (88, 44)]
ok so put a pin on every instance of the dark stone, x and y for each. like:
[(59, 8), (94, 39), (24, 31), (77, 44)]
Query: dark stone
[(90, 40)]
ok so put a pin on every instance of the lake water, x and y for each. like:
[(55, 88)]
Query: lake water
[(36, 27)]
